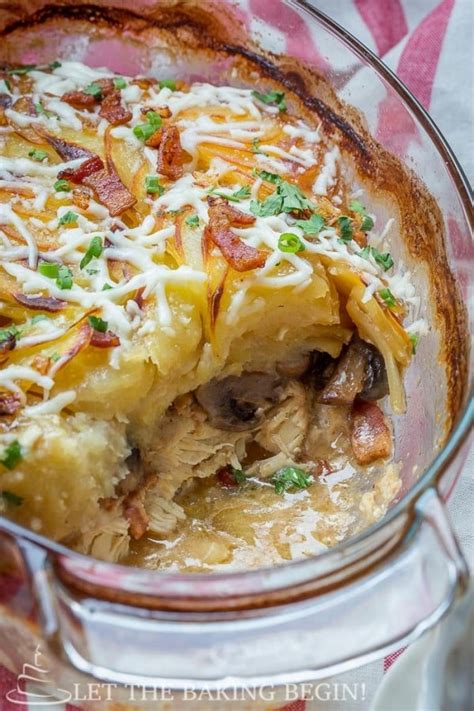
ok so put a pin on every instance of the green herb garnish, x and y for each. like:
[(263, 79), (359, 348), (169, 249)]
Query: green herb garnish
[(313, 226), (345, 228), (55, 64), (12, 455), (98, 324), (241, 194), (119, 83), (48, 269), (414, 341), (255, 147), (289, 242), (60, 272), (269, 177), (384, 259), (62, 186), (11, 498), (55, 357), (192, 221), (291, 478), (367, 221), (239, 475), (153, 185), (94, 249), (22, 70), (387, 297), (39, 108), (68, 218), (272, 97), (106, 287), (37, 155), (94, 89), (144, 131), (167, 84), (9, 332), (286, 198)]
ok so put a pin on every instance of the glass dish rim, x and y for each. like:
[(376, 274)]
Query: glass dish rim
[(456, 438)]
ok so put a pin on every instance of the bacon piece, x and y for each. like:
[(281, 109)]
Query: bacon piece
[(370, 435), (104, 340), (170, 153), (103, 180), (113, 110), (155, 139), (40, 303), (9, 403), (239, 255), (79, 99), (25, 105), (89, 166)]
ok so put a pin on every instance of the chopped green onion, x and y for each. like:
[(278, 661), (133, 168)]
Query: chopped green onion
[(93, 89), (255, 147), (269, 177), (345, 228), (384, 259), (414, 341), (272, 97), (119, 83), (55, 64), (39, 108), (12, 498), (8, 332), (37, 155), (291, 478), (94, 249), (68, 218), (106, 287), (167, 84), (12, 455), (239, 475), (291, 243), (62, 186), (192, 221), (153, 185), (98, 324), (64, 278), (387, 297), (48, 269), (313, 226)]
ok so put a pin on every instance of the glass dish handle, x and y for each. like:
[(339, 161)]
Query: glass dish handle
[(378, 612)]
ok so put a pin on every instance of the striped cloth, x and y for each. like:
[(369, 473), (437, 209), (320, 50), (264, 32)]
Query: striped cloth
[(428, 43)]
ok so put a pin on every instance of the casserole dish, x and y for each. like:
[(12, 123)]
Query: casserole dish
[(330, 611)]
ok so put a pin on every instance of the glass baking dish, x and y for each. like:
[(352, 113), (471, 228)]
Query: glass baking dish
[(313, 617)]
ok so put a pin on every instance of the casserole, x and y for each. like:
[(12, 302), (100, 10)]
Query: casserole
[(289, 591)]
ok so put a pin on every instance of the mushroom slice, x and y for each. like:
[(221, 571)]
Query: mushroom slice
[(238, 402)]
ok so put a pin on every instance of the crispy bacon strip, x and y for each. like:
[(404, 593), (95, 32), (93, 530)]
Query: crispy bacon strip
[(113, 110), (40, 303), (103, 180), (170, 153), (83, 100), (104, 340), (9, 403), (370, 435), (239, 255)]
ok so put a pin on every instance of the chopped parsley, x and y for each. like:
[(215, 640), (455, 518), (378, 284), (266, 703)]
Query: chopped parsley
[(94, 250), (384, 259), (345, 228), (241, 194), (286, 198), (106, 287), (192, 221), (22, 70), (12, 455), (68, 218), (94, 89), (144, 131), (387, 297), (272, 97), (62, 186), (98, 324), (60, 272), (9, 332), (291, 478), (167, 84), (37, 155), (153, 185), (55, 64), (119, 83), (414, 341), (313, 226), (11, 498), (367, 221), (289, 242), (239, 475)]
